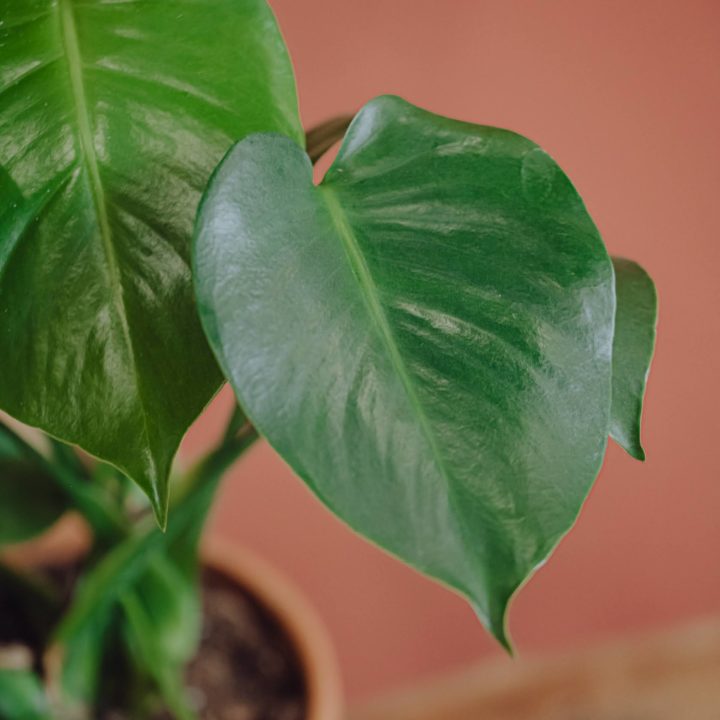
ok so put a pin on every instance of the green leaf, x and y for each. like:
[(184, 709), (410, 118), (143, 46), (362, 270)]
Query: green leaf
[(151, 653), (112, 116), (81, 670), (633, 347), (425, 338), (10, 193), (170, 601), (22, 696), (30, 498)]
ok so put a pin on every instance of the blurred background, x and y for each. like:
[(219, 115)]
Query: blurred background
[(626, 97)]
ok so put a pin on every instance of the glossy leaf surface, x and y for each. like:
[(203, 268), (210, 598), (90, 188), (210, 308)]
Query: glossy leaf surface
[(112, 116), (425, 338), (633, 347)]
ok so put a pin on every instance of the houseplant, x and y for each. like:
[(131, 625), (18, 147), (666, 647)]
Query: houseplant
[(429, 338)]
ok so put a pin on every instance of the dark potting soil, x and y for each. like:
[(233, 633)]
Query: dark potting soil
[(247, 667)]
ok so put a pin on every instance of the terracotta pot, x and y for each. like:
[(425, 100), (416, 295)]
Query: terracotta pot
[(322, 675)]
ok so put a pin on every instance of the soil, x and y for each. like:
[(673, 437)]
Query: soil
[(247, 667)]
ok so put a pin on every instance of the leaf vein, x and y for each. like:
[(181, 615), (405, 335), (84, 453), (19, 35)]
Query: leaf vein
[(379, 317), (70, 42)]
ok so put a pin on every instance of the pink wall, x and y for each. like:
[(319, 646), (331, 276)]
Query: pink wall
[(626, 96)]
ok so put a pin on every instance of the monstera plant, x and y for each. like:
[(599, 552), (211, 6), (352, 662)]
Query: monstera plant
[(434, 337)]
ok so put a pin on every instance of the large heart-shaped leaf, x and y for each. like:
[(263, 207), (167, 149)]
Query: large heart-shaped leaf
[(633, 347), (426, 337), (112, 116)]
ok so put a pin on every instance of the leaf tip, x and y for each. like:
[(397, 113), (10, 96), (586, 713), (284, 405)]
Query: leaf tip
[(160, 510), (631, 445), (496, 621), (501, 633)]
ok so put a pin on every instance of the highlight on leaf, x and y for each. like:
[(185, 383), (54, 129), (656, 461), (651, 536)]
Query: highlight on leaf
[(107, 146)]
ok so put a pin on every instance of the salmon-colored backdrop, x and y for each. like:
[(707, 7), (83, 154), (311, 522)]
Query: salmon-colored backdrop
[(626, 96)]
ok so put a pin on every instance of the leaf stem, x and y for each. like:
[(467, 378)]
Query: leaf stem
[(322, 137)]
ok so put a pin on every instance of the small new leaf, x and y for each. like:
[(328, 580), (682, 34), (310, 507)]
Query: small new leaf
[(633, 347)]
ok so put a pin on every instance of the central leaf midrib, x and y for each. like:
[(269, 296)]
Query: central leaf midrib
[(89, 158), (369, 292), (87, 146)]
